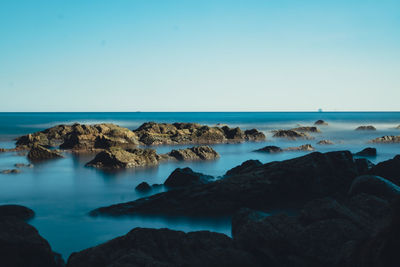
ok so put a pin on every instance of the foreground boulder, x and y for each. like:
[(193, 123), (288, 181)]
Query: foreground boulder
[(289, 182), (367, 152), (389, 169), (194, 153), (387, 139), (39, 153), (16, 211), (186, 177), (366, 128), (375, 185), (291, 134)]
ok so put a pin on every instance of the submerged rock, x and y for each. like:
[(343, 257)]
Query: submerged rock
[(270, 149), (367, 152), (10, 171), (39, 153), (116, 158), (307, 129), (186, 177), (366, 128), (194, 153), (387, 139), (320, 122), (290, 134), (143, 187), (325, 142)]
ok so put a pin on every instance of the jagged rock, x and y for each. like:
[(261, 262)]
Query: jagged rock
[(325, 142), (116, 158), (320, 122), (270, 149), (194, 153), (366, 128), (270, 185), (374, 185), (164, 247), (186, 177), (386, 139), (245, 167), (16, 211), (367, 152), (39, 153), (23, 165), (143, 187), (389, 169), (290, 134), (307, 129), (10, 171), (306, 147)]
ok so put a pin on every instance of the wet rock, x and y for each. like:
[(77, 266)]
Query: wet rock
[(386, 139), (186, 177), (23, 165), (254, 135), (39, 153), (307, 129), (374, 185), (16, 211), (325, 142), (116, 158), (194, 153), (367, 152), (10, 171), (245, 167), (366, 128), (363, 165), (306, 147), (274, 184), (290, 134), (389, 169), (143, 187), (320, 122), (164, 247), (270, 149)]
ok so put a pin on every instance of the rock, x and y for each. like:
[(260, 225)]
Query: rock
[(39, 153), (389, 169), (16, 211), (143, 187), (116, 158), (367, 152), (290, 134), (366, 128), (306, 147), (320, 122), (164, 247), (398, 127), (325, 142), (245, 167), (386, 139), (307, 129), (270, 149), (363, 165), (254, 135), (22, 165), (10, 171), (289, 182), (374, 185), (194, 153), (186, 177)]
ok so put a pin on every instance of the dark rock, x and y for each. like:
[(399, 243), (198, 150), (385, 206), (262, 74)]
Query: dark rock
[(325, 142), (374, 185), (245, 167), (363, 165), (270, 185), (320, 122), (16, 211), (290, 134), (366, 128), (194, 153), (307, 129), (388, 139), (367, 152), (270, 149), (39, 153), (10, 171), (143, 187), (164, 247), (389, 169), (254, 135), (186, 177), (22, 165), (119, 158)]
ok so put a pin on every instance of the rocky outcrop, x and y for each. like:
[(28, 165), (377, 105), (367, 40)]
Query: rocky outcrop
[(325, 142), (290, 134), (116, 158), (275, 149), (289, 182), (193, 153), (306, 129), (387, 139), (306, 147), (367, 152), (151, 133), (366, 128), (10, 171), (164, 247), (39, 153), (244, 168), (320, 122), (186, 177), (389, 169), (143, 187), (375, 185), (20, 243), (270, 149)]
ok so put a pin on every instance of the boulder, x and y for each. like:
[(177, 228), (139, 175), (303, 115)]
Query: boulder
[(389, 169), (10, 171), (320, 122), (186, 177), (367, 152), (16, 211), (164, 247), (116, 158), (366, 128), (374, 185), (39, 153), (307, 129), (245, 167), (325, 142), (194, 153), (143, 187), (386, 139), (290, 134), (270, 149), (307, 147)]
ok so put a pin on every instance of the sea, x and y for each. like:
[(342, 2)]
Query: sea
[(63, 191)]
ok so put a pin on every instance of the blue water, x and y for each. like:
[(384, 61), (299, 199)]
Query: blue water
[(62, 192)]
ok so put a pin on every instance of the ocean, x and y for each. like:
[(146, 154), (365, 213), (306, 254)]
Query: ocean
[(62, 192)]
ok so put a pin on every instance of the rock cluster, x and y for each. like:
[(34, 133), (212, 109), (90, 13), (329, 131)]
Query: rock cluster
[(325, 142), (366, 128), (307, 129), (38, 153), (387, 139), (291, 134), (275, 149), (194, 153)]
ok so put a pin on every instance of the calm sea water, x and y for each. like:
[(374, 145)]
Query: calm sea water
[(62, 192)]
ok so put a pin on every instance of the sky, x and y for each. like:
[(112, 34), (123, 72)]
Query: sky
[(208, 55)]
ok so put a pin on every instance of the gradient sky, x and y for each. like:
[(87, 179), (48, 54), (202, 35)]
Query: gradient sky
[(208, 55)]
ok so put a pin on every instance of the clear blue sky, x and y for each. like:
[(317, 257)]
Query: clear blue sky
[(208, 55)]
